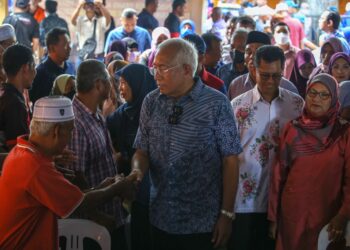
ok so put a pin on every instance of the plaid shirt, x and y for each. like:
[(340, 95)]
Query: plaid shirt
[(92, 145)]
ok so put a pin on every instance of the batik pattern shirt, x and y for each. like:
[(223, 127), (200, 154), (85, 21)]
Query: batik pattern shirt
[(259, 124), (186, 158)]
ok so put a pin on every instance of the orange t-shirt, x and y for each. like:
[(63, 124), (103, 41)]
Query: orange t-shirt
[(33, 194)]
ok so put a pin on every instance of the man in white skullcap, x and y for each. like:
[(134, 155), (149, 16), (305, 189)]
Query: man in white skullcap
[(7, 38), (36, 194)]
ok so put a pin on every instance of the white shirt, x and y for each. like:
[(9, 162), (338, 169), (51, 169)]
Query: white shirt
[(260, 124), (85, 29)]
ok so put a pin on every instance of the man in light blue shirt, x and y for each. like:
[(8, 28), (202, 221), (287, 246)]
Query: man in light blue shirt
[(129, 29)]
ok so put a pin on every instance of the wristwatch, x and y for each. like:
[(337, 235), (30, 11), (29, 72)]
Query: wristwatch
[(228, 214)]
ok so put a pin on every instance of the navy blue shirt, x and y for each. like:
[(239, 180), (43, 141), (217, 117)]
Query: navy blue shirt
[(186, 158), (172, 23), (47, 72), (147, 21), (140, 35), (228, 73)]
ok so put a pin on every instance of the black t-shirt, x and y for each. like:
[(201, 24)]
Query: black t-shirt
[(26, 27), (46, 73), (172, 23), (13, 114)]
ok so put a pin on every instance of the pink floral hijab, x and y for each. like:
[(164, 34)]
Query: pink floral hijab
[(307, 135)]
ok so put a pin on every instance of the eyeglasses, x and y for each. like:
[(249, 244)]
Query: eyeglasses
[(175, 116), (161, 70), (266, 76), (323, 95)]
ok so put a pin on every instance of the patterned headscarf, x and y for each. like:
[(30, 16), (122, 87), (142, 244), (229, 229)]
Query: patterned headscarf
[(302, 57), (310, 134)]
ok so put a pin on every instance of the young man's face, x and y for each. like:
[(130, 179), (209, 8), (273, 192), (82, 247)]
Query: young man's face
[(129, 24)]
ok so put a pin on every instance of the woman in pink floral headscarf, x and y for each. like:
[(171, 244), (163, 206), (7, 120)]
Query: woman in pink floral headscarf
[(310, 185)]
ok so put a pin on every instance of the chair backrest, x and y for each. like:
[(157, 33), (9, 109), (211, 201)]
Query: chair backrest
[(75, 230), (323, 241)]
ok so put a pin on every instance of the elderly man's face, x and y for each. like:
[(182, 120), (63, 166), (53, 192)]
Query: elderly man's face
[(168, 74), (63, 137), (129, 24)]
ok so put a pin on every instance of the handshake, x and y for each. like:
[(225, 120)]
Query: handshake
[(123, 187)]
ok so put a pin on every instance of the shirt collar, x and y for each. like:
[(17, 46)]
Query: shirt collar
[(24, 143), (11, 88), (257, 96), (54, 66), (194, 94), (204, 75), (85, 109), (86, 19), (249, 81), (131, 34)]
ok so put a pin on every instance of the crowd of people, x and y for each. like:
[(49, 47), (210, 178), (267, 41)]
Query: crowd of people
[(237, 138)]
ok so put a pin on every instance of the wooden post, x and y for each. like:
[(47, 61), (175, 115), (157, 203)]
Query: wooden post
[(3, 10)]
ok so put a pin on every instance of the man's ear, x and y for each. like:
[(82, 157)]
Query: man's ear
[(188, 69), (330, 23), (25, 68), (56, 131)]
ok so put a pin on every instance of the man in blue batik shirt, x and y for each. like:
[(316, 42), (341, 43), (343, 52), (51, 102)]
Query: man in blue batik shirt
[(129, 29), (188, 140)]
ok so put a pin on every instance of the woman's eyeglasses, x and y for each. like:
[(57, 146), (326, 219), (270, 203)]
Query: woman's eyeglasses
[(175, 116), (323, 96)]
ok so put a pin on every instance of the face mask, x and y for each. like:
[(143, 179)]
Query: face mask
[(133, 56), (281, 38), (237, 56)]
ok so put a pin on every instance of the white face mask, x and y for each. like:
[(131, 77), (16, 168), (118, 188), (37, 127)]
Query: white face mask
[(281, 38)]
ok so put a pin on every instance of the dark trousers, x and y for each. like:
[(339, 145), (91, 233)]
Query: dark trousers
[(165, 241), (140, 227), (250, 232), (118, 239)]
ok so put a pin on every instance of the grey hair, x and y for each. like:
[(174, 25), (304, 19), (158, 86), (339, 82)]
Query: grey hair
[(89, 72), (44, 128), (186, 52), (239, 32)]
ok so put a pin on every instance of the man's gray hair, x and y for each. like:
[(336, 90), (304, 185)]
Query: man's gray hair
[(239, 32), (43, 128), (186, 52), (89, 72)]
